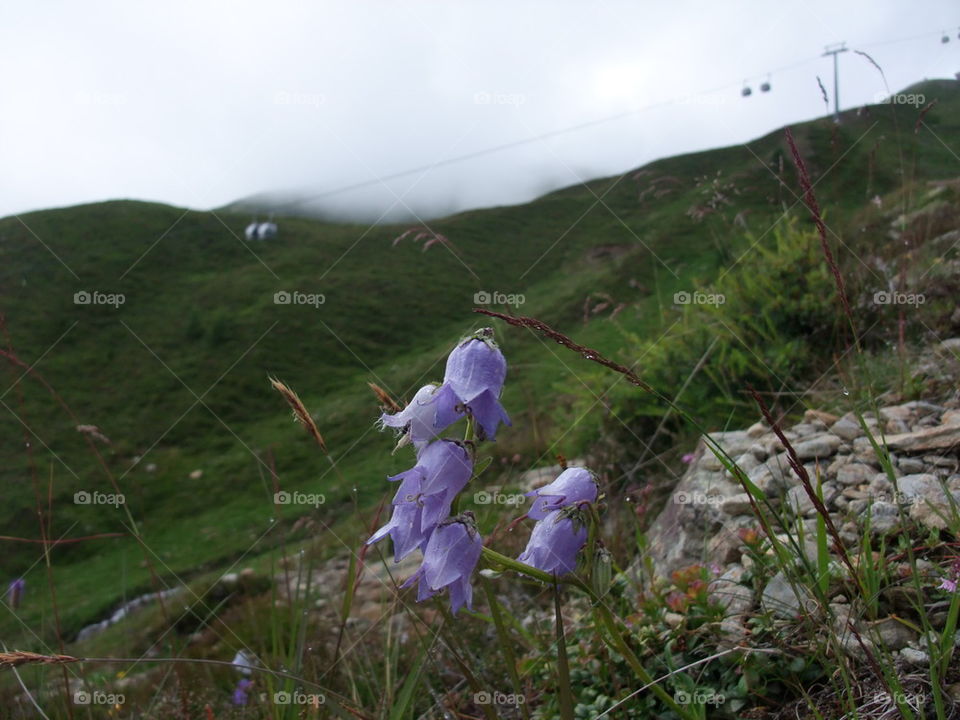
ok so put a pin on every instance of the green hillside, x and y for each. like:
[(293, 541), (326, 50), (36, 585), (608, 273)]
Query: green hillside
[(176, 376)]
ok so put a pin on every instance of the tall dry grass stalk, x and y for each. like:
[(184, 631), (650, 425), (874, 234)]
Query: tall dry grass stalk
[(300, 413)]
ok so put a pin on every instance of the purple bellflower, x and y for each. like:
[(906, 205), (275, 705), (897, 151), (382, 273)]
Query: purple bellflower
[(555, 542), (472, 385), (240, 694), (574, 485), (416, 421), (425, 495), (15, 592), (449, 559)]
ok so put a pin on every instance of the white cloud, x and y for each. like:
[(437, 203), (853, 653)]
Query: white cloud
[(199, 104)]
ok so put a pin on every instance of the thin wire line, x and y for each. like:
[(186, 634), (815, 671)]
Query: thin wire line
[(569, 129)]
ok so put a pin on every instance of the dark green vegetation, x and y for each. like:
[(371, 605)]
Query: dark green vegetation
[(177, 375)]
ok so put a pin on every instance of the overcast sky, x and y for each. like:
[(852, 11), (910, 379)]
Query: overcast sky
[(201, 103)]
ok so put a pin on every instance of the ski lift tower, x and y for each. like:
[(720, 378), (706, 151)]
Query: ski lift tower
[(835, 50)]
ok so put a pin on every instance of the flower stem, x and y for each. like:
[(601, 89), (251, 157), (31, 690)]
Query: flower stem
[(619, 644)]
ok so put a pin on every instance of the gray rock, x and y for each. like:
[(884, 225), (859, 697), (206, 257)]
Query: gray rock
[(840, 612), (936, 511), (733, 633), (942, 437), (738, 504), (940, 461), (890, 633), (950, 417), (709, 461), (856, 647), (746, 462), (855, 474), (773, 443), (804, 429), (881, 488), (759, 451), (910, 466), (846, 429), (773, 477), (679, 535), (897, 427), (818, 448), (818, 416), (799, 501), (884, 517), (924, 408), (726, 546), (838, 462), (734, 442), (780, 599), (913, 487), (727, 592), (915, 657), (903, 413)]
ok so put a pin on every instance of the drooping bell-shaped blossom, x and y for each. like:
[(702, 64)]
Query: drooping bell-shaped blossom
[(425, 495), (472, 385), (442, 466), (243, 662), (405, 528), (555, 542), (15, 592), (449, 561), (241, 693), (572, 486), (416, 421)]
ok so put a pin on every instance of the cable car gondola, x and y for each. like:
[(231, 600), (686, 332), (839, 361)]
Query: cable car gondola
[(260, 230)]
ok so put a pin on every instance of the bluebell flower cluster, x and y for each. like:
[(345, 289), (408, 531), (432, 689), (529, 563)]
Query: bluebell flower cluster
[(422, 505)]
